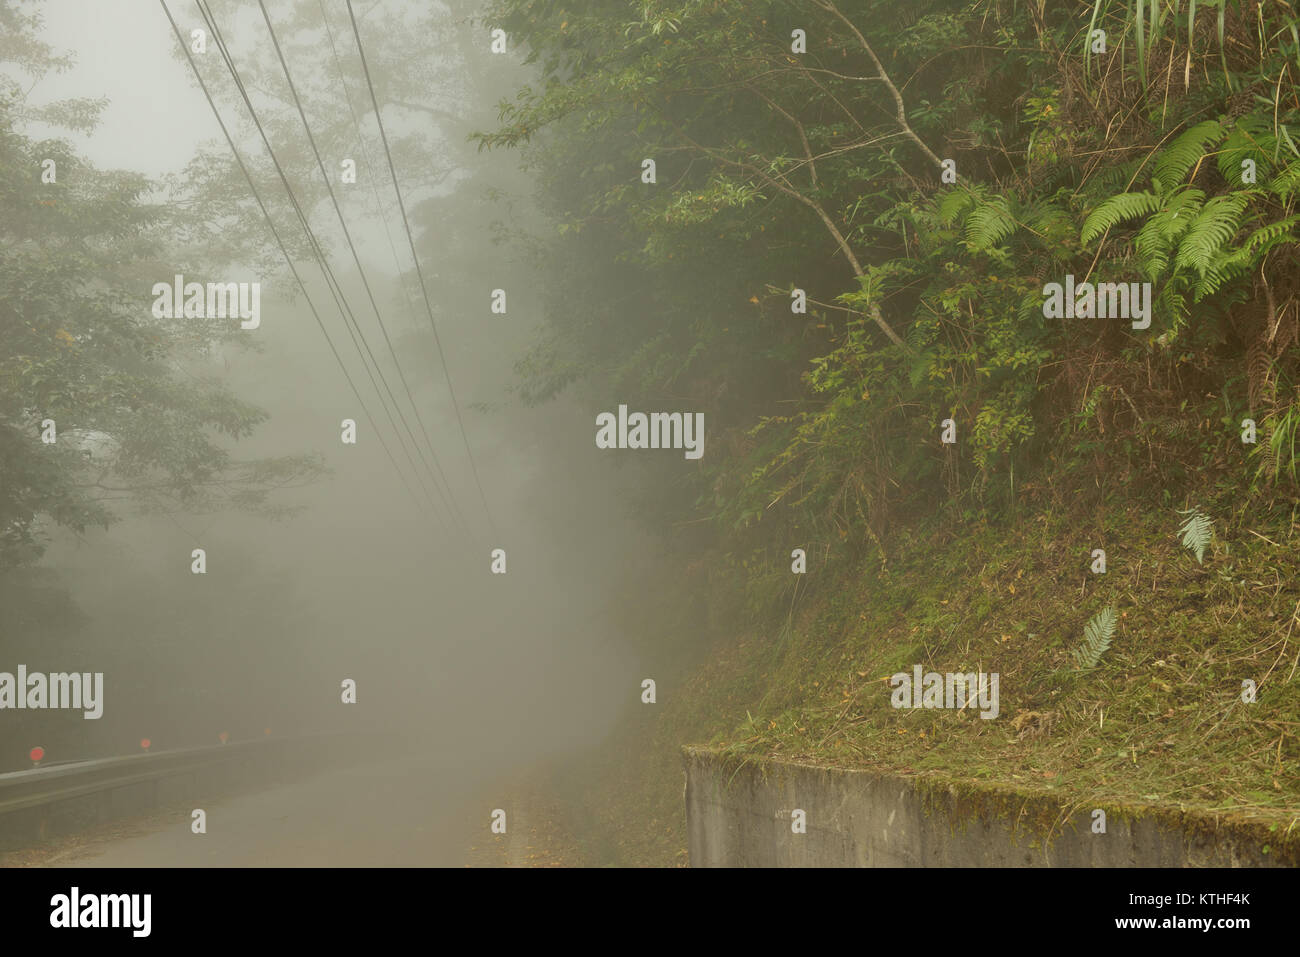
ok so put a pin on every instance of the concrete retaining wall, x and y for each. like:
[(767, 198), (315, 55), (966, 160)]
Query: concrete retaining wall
[(741, 816)]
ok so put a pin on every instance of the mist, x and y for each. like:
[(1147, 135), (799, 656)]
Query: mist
[(368, 571)]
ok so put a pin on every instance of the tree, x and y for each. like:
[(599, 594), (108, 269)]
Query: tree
[(96, 406), (820, 168)]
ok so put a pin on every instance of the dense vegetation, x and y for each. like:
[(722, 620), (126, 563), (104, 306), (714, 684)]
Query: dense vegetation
[(821, 171), (1163, 152)]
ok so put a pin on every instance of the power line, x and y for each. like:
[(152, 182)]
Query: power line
[(288, 258), (416, 258), (365, 153), (347, 235), (332, 283), (369, 165)]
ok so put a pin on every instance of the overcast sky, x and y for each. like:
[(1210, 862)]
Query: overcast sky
[(124, 51)]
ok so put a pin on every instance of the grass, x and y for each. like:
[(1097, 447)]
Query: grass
[(1160, 720)]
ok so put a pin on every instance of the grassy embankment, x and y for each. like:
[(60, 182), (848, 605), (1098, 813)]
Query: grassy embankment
[(1159, 721)]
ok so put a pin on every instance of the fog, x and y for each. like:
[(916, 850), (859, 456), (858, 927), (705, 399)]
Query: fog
[(474, 675)]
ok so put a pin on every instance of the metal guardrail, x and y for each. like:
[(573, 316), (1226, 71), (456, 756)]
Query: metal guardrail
[(41, 786)]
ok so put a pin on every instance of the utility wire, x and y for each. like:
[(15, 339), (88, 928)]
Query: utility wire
[(287, 257), (335, 288), (369, 162), (370, 177), (365, 153), (347, 235), (332, 283), (418, 271)]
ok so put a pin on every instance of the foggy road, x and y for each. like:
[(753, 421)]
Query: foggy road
[(395, 814), (401, 377)]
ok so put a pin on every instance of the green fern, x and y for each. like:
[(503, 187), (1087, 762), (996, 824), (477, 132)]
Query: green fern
[(954, 203), (1221, 272), (990, 223), (1264, 239), (1114, 179), (1184, 152), (1252, 138), (1157, 238), (1118, 209), (1054, 226), (1097, 635), (1197, 531), (1286, 183), (1228, 265), (1211, 230)]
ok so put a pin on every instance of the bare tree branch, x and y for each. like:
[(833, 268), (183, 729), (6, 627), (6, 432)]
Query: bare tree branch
[(803, 137), (901, 117), (784, 186)]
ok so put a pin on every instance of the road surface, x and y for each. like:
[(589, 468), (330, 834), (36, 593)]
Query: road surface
[(399, 813)]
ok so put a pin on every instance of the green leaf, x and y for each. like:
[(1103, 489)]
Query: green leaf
[(1117, 209), (1097, 636), (1197, 531)]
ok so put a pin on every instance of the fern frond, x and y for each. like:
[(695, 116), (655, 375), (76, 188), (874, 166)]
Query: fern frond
[(1053, 224), (1180, 155), (1211, 230), (1286, 183), (1183, 204), (1097, 635), (1253, 139), (1116, 210), (1197, 531), (1156, 239), (990, 223), (1266, 237), (1219, 273), (1154, 246), (955, 202), (1112, 179), (1282, 442), (1174, 306)]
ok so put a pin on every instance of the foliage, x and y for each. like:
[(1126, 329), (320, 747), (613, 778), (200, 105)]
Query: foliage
[(1097, 635), (778, 170), (1278, 455), (1197, 531), (79, 345)]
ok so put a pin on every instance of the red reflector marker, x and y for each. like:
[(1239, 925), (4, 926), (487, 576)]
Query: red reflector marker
[(144, 743), (37, 754)]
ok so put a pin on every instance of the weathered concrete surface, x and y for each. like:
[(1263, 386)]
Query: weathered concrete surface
[(740, 816)]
